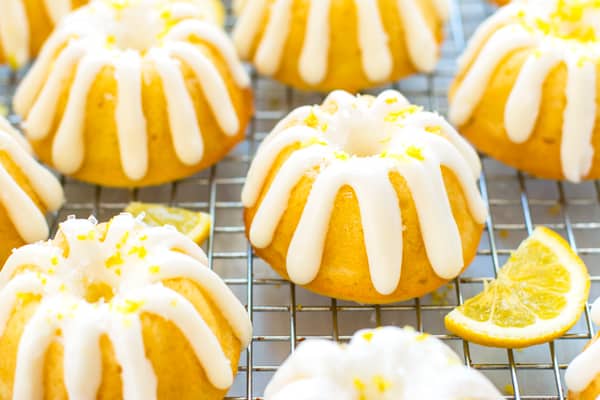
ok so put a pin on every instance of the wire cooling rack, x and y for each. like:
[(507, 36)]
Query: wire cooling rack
[(284, 315)]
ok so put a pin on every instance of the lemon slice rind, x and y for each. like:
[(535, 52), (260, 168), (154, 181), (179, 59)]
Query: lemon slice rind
[(542, 330)]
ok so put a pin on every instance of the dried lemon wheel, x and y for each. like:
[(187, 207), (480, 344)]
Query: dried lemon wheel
[(539, 294), (195, 225)]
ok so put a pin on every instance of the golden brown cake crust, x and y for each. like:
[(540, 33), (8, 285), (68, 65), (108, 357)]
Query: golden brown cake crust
[(40, 25), (179, 374), (345, 69), (102, 163), (540, 154), (344, 271), (9, 237)]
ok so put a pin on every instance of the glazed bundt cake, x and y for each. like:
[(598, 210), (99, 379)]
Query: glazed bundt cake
[(27, 192), (340, 44), (25, 25), (365, 199), (381, 364), (583, 374), (135, 93), (117, 311), (527, 88)]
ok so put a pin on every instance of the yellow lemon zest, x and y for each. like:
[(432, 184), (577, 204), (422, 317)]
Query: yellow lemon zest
[(368, 336), (154, 269), (140, 251), (415, 153), (115, 259), (381, 383), (130, 306), (312, 120)]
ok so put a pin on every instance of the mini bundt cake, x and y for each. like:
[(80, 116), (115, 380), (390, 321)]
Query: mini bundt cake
[(583, 374), (135, 93), (25, 25), (527, 88), (365, 199), (117, 311), (27, 192), (381, 364), (340, 44)]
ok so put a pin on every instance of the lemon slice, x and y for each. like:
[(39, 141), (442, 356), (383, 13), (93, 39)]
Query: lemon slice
[(539, 295), (195, 225)]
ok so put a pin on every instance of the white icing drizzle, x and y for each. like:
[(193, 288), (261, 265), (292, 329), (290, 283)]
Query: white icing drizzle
[(213, 84), (6, 127), (585, 367), (443, 8), (382, 364), (579, 119), (28, 219), (266, 47), (15, 30), (364, 140), (312, 63), (98, 36), (513, 28), (270, 50), (373, 41), (187, 138), (129, 115), (470, 91), (523, 104), (68, 146), (133, 260), (421, 42), (484, 31)]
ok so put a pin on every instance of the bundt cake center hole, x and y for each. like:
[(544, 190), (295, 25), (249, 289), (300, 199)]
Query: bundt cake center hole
[(98, 291), (138, 25), (358, 132)]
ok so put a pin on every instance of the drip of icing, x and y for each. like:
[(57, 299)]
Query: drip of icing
[(89, 40), (380, 218), (443, 8), (267, 46), (6, 127), (357, 142), (373, 42), (187, 138), (248, 26), (270, 50), (421, 42), (27, 218), (584, 368), (539, 27), (313, 57), (523, 104), (219, 100), (484, 31), (133, 260), (129, 115), (579, 118), (470, 91), (15, 29), (68, 146), (385, 363)]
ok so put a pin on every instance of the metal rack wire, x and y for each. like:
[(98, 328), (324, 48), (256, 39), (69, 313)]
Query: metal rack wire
[(285, 315)]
